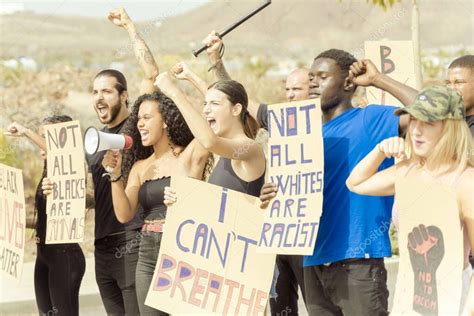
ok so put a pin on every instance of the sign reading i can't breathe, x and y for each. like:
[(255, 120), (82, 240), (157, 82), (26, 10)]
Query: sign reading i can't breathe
[(296, 166), (12, 222), (66, 205), (208, 263)]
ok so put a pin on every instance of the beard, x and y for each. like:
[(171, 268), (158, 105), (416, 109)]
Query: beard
[(328, 104), (114, 111)]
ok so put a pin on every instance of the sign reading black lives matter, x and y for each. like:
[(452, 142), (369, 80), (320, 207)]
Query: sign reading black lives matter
[(12, 222), (66, 205)]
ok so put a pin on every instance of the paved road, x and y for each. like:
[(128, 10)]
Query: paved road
[(19, 299)]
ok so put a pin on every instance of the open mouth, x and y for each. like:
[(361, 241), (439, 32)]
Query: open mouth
[(102, 110), (211, 122), (144, 133)]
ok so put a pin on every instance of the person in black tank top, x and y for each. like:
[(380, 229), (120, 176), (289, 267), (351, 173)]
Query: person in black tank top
[(228, 131), (59, 268), (160, 126)]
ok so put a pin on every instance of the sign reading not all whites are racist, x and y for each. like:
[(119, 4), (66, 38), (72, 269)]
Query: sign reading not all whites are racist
[(296, 165), (66, 205), (208, 261), (12, 222)]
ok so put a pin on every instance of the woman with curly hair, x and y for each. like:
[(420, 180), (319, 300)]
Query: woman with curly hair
[(59, 268), (168, 149), (440, 146)]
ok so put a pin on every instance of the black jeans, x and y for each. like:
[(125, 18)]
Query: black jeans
[(291, 275), (348, 287), (58, 275), (149, 249), (115, 264)]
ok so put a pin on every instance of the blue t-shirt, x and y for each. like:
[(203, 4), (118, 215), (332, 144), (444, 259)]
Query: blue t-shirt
[(352, 225)]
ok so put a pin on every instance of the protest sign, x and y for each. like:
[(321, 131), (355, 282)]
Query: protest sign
[(207, 262), (296, 165), (394, 59), (65, 162), (431, 249), (12, 222)]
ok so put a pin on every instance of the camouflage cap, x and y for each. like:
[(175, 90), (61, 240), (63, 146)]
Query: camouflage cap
[(435, 103)]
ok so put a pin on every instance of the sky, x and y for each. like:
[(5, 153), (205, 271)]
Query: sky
[(139, 10)]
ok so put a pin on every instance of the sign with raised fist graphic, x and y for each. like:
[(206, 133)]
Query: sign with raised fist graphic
[(431, 249)]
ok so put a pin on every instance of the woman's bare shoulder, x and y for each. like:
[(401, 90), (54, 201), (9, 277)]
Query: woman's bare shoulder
[(466, 180)]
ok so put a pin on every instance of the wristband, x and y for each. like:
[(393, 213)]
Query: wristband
[(115, 179)]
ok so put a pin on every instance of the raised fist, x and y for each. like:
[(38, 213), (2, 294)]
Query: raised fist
[(15, 129), (181, 71), (119, 17), (393, 147), (363, 73), (426, 250)]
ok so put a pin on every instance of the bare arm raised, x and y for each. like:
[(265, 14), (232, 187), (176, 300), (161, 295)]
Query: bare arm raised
[(120, 18)]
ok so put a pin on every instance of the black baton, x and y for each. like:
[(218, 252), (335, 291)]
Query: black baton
[(233, 26)]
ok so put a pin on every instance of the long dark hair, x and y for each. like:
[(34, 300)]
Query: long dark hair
[(178, 131), (236, 93), (40, 201)]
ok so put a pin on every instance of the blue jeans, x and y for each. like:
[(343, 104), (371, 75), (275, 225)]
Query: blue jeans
[(147, 258)]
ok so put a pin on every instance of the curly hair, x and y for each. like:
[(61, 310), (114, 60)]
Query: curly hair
[(178, 131), (341, 57), (40, 201)]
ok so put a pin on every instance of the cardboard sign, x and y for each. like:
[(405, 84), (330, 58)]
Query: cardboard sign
[(429, 278), (66, 205), (395, 59), (295, 163), (12, 222), (207, 262)]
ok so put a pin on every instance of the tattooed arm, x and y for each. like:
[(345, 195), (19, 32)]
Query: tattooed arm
[(120, 18)]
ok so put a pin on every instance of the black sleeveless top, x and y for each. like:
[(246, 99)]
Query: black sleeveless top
[(224, 176), (40, 204), (151, 197)]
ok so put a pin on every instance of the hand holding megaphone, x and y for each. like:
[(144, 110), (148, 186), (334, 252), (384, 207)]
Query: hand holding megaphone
[(112, 162), (95, 141)]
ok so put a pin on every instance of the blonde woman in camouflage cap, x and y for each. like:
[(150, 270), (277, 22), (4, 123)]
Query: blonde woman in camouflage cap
[(438, 146)]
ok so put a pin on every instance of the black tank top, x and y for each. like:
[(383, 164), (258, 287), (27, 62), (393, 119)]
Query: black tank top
[(224, 176), (40, 204), (151, 197)]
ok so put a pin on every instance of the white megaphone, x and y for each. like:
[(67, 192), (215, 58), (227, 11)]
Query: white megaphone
[(95, 141)]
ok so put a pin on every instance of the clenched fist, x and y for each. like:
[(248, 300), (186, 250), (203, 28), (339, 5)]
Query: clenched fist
[(119, 17)]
